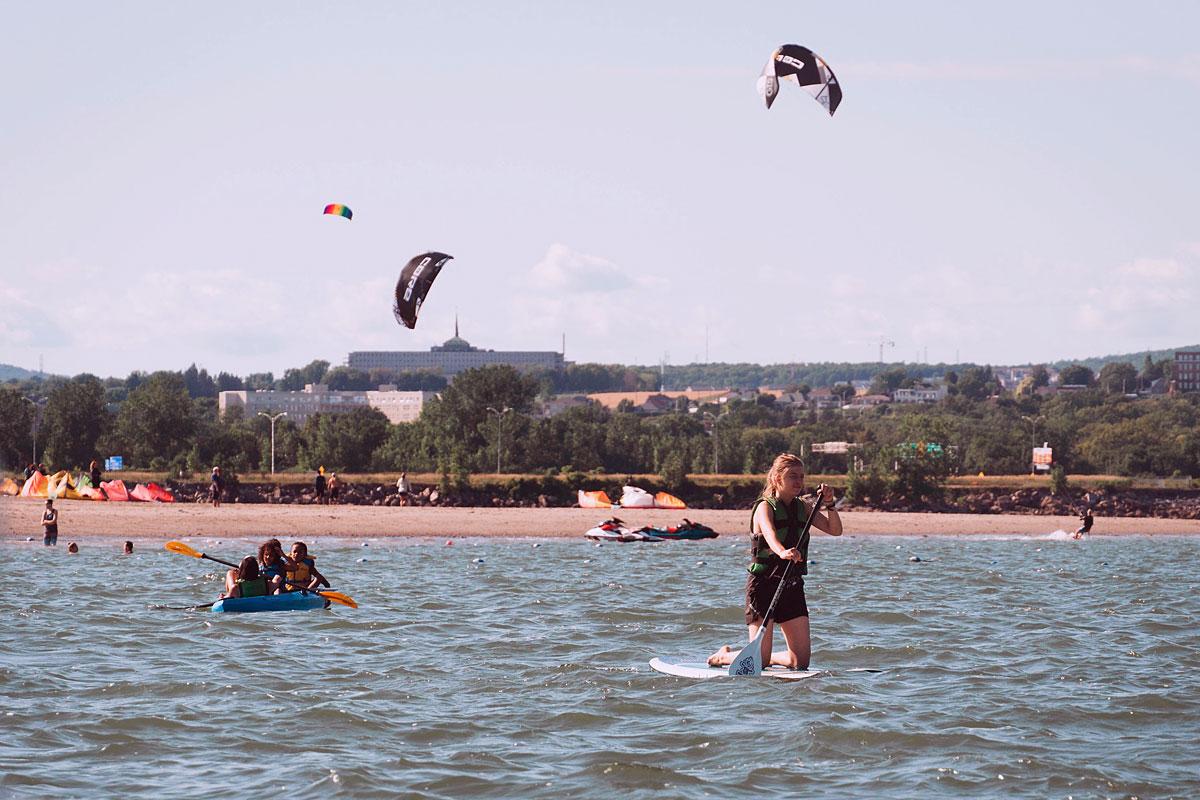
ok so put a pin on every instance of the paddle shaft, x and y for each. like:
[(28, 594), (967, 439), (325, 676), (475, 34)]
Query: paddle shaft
[(235, 566)]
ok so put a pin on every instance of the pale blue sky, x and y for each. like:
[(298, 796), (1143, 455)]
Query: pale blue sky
[(1010, 182)]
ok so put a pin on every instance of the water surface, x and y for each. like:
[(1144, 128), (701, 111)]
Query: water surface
[(1018, 667)]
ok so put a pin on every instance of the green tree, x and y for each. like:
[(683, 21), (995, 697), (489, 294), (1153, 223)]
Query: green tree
[(460, 419), (1076, 375), (344, 441), (346, 379), (1118, 377), (295, 379), (156, 421), (75, 418), (977, 383), (16, 428)]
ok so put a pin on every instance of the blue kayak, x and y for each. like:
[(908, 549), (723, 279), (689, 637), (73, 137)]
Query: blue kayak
[(292, 601)]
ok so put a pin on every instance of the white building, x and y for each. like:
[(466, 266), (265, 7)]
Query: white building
[(454, 356), (919, 394), (318, 399)]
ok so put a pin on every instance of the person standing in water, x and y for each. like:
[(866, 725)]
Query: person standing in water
[(777, 536), (50, 524), (1086, 528)]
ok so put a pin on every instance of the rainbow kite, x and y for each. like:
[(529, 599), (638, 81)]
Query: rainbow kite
[(340, 210)]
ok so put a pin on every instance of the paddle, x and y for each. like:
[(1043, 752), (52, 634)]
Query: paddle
[(749, 660), (183, 550)]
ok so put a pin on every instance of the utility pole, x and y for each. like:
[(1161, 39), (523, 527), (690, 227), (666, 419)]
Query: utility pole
[(272, 418), (34, 428), (499, 431), (882, 342)]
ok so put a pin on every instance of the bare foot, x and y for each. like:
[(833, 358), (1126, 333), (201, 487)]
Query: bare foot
[(722, 657)]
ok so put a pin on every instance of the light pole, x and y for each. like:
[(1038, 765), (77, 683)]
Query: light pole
[(1033, 422), (36, 409), (716, 440), (272, 417), (499, 415)]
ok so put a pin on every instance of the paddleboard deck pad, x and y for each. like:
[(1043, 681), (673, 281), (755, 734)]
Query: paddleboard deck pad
[(702, 671)]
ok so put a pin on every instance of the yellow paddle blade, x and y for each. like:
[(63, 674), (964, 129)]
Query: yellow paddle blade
[(338, 597), (183, 549)]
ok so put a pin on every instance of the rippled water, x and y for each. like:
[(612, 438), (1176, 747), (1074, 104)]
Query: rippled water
[(1035, 668)]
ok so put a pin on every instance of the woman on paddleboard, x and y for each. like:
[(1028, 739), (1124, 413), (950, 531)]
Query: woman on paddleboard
[(777, 536)]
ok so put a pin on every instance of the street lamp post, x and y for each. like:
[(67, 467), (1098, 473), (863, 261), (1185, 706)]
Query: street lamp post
[(1033, 422), (499, 430), (716, 441), (272, 417)]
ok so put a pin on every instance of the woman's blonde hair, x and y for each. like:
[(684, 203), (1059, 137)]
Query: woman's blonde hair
[(783, 462)]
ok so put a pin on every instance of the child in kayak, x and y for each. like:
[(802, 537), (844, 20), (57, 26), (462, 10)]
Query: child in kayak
[(272, 566), (776, 537), (245, 581), (302, 569)]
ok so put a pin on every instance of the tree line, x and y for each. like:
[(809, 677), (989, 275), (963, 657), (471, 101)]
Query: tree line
[(168, 421)]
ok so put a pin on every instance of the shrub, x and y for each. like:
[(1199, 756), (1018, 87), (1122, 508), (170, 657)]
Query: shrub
[(1058, 481)]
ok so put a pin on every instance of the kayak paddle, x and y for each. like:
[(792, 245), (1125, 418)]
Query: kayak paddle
[(183, 550), (749, 660)]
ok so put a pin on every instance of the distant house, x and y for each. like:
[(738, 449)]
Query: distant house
[(867, 401), (919, 394), (824, 398), (560, 403), (656, 404), (791, 399)]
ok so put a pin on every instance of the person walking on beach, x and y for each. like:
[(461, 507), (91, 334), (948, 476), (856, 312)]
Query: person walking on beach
[(403, 487), (777, 536), (1086, 528), (50, 524), (334, 487), (319, 485), (215, 486)]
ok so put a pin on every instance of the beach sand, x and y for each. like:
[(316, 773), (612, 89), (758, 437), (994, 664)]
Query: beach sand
[(21, 518)]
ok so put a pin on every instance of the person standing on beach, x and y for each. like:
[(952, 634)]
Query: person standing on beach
[(215, 486), (403, 487), (334, 486), (94, 475), (319, 485), (777, 536), (50, 524)]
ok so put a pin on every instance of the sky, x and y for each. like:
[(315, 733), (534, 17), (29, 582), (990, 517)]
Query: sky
[(1004, 183)]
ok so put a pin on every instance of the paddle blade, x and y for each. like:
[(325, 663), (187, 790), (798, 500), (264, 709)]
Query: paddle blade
[(183, 549), (749, 660), (338, 597)]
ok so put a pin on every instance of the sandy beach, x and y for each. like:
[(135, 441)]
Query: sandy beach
[(20, 518)]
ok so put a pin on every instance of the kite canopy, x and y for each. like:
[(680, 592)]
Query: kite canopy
[(415, 279), (339, 210), (802, 66)]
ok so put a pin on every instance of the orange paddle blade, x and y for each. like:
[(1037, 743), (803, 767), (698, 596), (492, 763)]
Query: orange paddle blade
[(183, 549), (338, 597)]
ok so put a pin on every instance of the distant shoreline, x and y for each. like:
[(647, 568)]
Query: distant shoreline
[(20, 519)]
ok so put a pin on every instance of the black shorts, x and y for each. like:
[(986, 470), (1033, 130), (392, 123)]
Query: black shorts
[(759, 592)]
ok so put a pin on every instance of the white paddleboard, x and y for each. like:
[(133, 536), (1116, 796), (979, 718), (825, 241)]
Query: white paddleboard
[(699, 669), (702, 671)]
